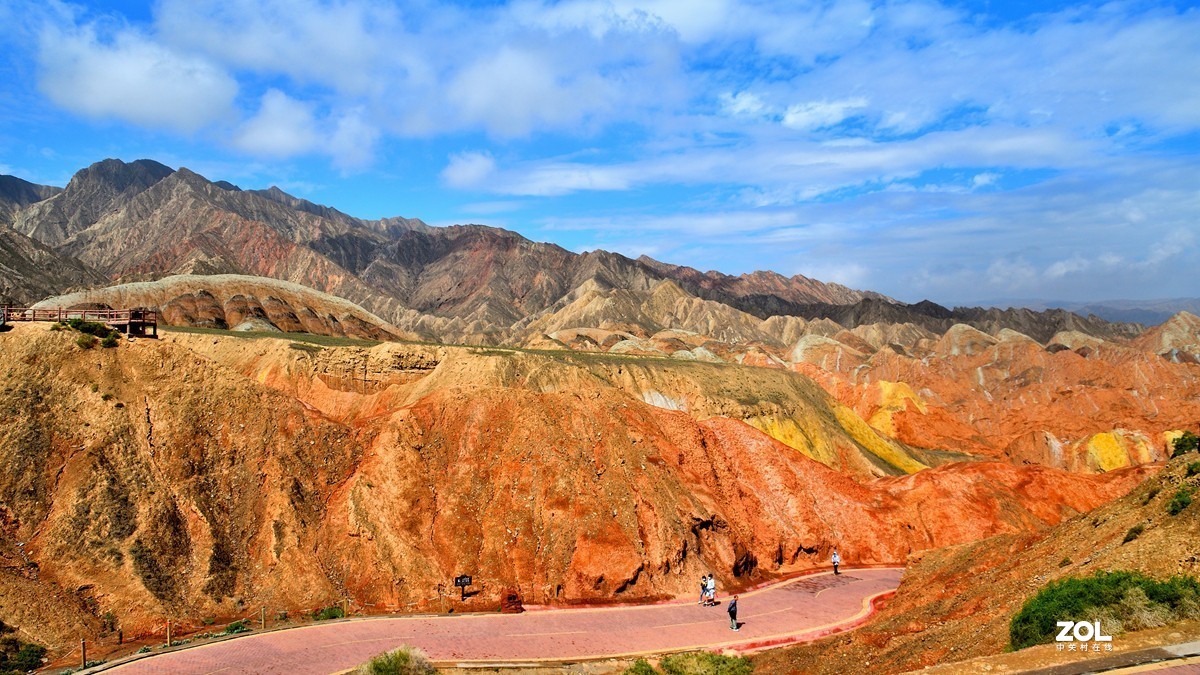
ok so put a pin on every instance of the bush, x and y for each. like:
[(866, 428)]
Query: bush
[(1065, 561), (400, 661), (705, 663), (86, 341), (1133, 533), (1181, 500), (110, 341), (332, 612), (91, 327), (1187, 442), (1111, 597), (237, 627), (641, 667), (1193, 469), (17, 656)]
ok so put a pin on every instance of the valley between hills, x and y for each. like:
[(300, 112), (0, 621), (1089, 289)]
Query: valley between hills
[(341, 410)]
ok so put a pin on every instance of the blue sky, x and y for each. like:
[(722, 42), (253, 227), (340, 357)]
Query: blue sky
[(955, 151)]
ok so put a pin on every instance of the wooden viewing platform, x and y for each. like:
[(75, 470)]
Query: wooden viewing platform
[(141, 321)]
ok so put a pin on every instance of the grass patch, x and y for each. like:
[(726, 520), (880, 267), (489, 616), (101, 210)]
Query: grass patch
[(705, 663), (322, 340), (86, 341), (1181, 500), (641, 667), (1119, 600), (399, 661), (1134, 532), (305, 347), (236, 627)]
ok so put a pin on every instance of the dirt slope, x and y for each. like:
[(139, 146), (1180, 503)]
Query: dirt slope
[(195, 476), (956, 603)]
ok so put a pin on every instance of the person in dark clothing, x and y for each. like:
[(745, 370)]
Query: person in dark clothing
[(732, 609), (703, 590)]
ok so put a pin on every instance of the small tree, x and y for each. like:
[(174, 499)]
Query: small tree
[(1187, 442)]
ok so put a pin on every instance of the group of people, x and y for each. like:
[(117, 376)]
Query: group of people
[(708, 598), (708, 592)]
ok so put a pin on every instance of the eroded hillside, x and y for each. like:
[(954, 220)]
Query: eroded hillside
[(956, 604), (198, 475)]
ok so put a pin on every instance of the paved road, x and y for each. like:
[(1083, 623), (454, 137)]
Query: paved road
[(796, 610)]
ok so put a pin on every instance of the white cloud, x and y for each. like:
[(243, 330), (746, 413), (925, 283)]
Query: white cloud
[(469, 170), (1072, 265), (342, 45), (821, 114), (515, 90), (283, 127), (744, 104), (352, 144), (132, 78)]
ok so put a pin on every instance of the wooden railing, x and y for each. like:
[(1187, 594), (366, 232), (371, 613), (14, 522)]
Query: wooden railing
[(130, 321), (108, 316)]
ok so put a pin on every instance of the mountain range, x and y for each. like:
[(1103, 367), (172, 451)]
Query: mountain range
[(118, 222)]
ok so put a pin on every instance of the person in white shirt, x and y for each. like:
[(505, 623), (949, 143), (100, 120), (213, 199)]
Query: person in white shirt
[(837, 560)]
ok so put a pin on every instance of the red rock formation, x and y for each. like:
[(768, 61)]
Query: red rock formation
[(191, 477)]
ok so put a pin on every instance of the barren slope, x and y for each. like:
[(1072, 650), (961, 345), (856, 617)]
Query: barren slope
[(194, 476), (956, 603)]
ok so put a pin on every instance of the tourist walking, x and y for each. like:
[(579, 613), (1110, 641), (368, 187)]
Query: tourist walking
[(712, 591), (733, 613), (837, 560), (703, 590)]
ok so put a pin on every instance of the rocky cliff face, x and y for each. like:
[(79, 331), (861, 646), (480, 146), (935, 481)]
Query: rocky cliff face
[(239, 303), (16, 194), (30, 271), (195, 476)]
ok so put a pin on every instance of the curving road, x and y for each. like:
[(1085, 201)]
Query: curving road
[(791, 611)]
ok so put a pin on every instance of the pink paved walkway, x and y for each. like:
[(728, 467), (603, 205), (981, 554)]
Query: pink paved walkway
[(803, 608)]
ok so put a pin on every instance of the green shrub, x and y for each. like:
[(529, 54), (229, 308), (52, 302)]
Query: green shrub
[(1187, 442), (110, 341), (1110, 597), (400, 661), (1193, 469), (237, 627), (641, 667), (1065, 561), (86, 341), (331, 612), (145, 650), (17, 656), (1134, 532), (91, 327), (311, 349), (705, 663), (1181, 500)]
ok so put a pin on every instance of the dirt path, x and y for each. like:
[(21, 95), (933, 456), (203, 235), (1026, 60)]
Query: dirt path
[(796, 610)]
